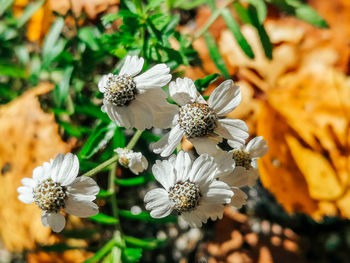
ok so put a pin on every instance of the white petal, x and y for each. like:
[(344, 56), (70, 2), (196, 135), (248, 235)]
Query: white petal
[(183, 164), (163, 171), (38, 174), (239, 199), (67, 169), (79, 207), (183, 91), (83, 185), (158, 202), (166, 145), (120, 115), (225, 98), (102, 83), (138, 163), (212, 211), (241, 177), (132, 66), (157, 76), (195, 218), (217, 192), (232, 129), (257, 147), (24, 190), (26, 198), (44, 216), (142, 114), (28, 182), (224, 163), (162, 111), (206, 144), (236, 145), (55, 220), (199, 172)]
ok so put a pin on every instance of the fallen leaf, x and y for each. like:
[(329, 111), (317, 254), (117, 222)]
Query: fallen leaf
[(29, 137), (321, 178)]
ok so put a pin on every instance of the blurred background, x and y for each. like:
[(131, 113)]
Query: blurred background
[(296, 94)]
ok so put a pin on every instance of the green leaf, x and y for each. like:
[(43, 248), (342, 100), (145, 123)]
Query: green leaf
[(130, 5), (202, 84), (307, 13), (260, 7), (102, 252), (150, 137), (242, 13), (147, 244), (215, 54), (104, 219), (301, 11), (60, 247), (131, 255), (5, 4), (119, 139), (109, 18), (53, 35), (72, 130), (98, 139), (12, 70), (29, 11), (86, 107), (135, 181), (89, 36), (103, 194), (236, 32), (187, 5), (152, 4), (60, 92), (146, 217), (264, 38)]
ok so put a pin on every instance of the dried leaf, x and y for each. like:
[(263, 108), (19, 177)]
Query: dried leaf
[(29, 137), (321, 178)]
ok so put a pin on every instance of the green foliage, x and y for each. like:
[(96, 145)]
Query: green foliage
[(74, 57), (104, 219)]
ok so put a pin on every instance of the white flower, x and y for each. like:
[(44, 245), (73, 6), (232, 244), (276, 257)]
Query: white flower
[(137, 101), (189, 189), (134, 160), (245, 158), (55, 185), (204, 124)]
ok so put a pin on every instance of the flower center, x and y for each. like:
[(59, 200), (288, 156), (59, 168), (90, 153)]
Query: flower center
[(185, 196), (197, 119), (49, 196), (120, 90), (242, 158)]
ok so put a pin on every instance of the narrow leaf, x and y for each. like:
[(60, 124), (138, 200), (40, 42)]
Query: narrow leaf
[(215, 54), (135, 181), (148, 244), (104, 219), (202, 84), (146, 217), (260, 7), (131, 255), (102, 252), (53, 35), (264, 38), (61, 91), (236, 32), (5, 4)]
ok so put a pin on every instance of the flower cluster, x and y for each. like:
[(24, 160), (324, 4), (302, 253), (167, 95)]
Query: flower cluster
[(194, 188)]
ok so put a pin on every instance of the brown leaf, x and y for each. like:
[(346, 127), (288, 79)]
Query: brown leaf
[(29, 137)]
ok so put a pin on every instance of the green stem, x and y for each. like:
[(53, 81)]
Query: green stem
[(134, 140), (208, 24), (101, 166)]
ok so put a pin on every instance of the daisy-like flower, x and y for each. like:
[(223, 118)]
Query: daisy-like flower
[(189, 188), (54, 186), (137, 101), (245, 158), (204, 124), (135, 161)]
